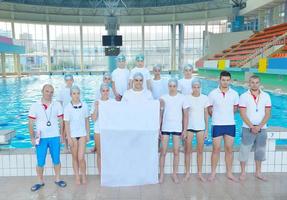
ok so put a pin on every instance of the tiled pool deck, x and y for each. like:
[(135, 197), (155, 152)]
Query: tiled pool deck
[(15, 188)]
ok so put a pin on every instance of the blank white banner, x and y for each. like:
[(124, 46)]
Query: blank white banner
[(129, 143)]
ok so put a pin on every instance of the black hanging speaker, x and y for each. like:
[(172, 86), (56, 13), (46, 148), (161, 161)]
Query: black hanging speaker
[(112, 51)]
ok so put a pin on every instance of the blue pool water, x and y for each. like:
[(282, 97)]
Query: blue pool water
[(18, 94)]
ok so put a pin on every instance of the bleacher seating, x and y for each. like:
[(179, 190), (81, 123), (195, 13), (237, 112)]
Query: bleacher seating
[(242, 50)]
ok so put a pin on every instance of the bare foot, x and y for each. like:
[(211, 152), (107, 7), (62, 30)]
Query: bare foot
[(175, 178), (232, 177), (242, 177), (260, 177), (211, 177), (201, 178), (161, 178), (84, 179), (78, 180), (186, 177)]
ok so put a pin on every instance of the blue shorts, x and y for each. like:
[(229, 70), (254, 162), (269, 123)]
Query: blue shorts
[(54, 145), (221, 130)]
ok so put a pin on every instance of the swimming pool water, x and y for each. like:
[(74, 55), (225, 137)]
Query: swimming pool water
[(17, 94)]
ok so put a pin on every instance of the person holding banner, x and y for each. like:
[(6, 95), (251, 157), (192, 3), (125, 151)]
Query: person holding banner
[(105, 96), (137, 92)]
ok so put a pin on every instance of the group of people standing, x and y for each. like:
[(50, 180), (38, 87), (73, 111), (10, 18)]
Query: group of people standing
[(184, 114)]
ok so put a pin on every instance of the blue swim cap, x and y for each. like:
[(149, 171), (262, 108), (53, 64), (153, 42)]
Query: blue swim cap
[(68, 77), (196, 81), (157, 66), (188, 66), (140, 57), (138, 75), (173, 81), (121, 58)]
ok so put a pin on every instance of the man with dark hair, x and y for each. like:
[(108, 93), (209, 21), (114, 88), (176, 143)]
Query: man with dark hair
[(223, 102), (255, 108)]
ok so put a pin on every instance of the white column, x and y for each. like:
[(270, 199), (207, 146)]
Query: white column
[(81, 49), (48, 46), (3, 64), (173, 47)]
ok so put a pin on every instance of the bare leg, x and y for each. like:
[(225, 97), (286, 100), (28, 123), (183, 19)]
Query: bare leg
[(98, 146), (57, 169), (243, 172), (175, 140), (200, 145), (163, 150), (81, 158), (228, 145), (40, 171), (187, 154), (214, 157), (74, 150), (258, 173)]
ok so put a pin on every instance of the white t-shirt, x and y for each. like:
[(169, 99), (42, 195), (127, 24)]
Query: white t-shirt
[(137, 96), (184, 86), (77, 118), (255, 113), (120, 77), (64, 96), (196, 111), (144, 71), (173, 115), (42, 116), (223, 106), (96, 123), (159, 88)]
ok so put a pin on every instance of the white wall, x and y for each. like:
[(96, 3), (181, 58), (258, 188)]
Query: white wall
[(216, 43)]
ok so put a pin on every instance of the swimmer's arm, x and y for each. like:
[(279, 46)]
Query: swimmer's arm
[(161, 113), (61, 123), (206, 118), (114, 89), (185, 118), (95, 113), (209, 109), (31, 128), (245, 118), (87, 123), (67, 129), (266, 117), (130, 84), (148, 83), (235, 108)]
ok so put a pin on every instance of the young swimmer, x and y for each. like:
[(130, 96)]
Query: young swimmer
[(64, 98), (107, 79), (105, 90), (198, 125), (76, 117), (184, 84), (143, 70), (158, 85), (174, 120), (120, 78), (137, 93)]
